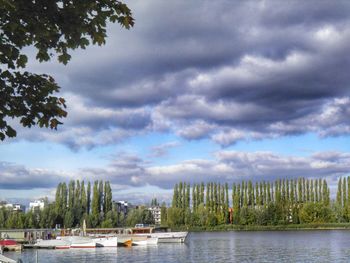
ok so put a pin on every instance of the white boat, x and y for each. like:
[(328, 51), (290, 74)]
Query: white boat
[(106, 241), (79, 242), (52, 243), (146, 242), (168, 237)]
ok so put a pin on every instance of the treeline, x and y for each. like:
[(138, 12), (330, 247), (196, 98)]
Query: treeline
[(284, 201), (75, 202)]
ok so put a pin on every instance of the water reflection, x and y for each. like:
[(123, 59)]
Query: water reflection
[(277, 246)]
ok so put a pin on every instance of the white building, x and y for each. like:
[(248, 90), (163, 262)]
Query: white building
[(14, 207), (37, 205), (156, 212)]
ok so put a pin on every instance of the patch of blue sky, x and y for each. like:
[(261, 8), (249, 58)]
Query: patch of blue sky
[(51, 155)]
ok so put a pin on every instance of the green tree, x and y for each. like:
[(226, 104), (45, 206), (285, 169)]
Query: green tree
[(88, 198), (107, 204), (175, 196), (95, 210), (163, 214), (315, 213), (52, 27), (339, 193), (83, 198)]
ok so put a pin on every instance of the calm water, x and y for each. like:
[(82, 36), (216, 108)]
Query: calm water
[(276, 246)]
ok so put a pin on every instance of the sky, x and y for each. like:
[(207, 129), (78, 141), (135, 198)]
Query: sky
[(197, 91)]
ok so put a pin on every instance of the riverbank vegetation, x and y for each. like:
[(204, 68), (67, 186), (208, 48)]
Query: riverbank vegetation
[(284, 204), (296, 203), (73, 204)]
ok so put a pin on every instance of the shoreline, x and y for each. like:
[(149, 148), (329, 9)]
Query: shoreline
[(296, 227)]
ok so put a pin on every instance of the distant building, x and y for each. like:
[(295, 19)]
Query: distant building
[(37, 205), (122, 207), (156, 212), (13, 207)]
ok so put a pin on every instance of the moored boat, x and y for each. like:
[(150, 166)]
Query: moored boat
[(146, 242), (106, 241), (124, 242), (82, 242), (168, 237), (10, 245), (52, 243), (79, 241)]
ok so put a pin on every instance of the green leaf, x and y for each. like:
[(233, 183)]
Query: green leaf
[(10, 132)]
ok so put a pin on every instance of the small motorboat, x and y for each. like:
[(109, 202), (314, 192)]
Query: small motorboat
[(10, 245), (124, 242), (79, 241), (146, 242), (106, 241), (52, 243)]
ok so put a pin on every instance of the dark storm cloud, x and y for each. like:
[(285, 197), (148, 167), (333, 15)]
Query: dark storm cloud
[(225, 70)]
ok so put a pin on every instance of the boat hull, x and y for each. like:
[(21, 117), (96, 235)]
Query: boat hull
[(106, 241), (168, 237), (146, 242)]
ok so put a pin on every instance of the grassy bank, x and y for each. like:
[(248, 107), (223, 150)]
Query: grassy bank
[(316, 226)]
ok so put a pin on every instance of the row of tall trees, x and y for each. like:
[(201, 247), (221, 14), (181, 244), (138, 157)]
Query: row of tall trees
[(343, 199), (75, 202), (284, 201)]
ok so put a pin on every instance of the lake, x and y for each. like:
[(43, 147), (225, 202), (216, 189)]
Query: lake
[(255, 246)]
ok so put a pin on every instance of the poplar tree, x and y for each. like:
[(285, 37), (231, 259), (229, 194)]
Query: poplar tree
[(325, 193), (59, 199), (212, 204), (175, 196), (187, 206), (234, 192), (83, 198), (320, 190), (261, 193), (304, 190), (194, 197), (268, 193), (292, 199), (101, 198), (312, 194), (344, 192), (257, 195), (179, 200), (227, 203), (77, 203), (71, 191), (95, 200), (215, 198), (207, 197), (108, 198), (250, 194), (348, 195), (198, 195), (88, 198), (308, 190), (202, 193), (339, 192), (300, 193)]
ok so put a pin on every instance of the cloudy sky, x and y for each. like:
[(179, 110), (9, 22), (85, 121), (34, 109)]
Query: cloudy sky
[(196, 91)]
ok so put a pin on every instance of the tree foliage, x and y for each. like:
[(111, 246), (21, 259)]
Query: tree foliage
[(52, 27)]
